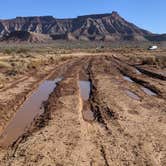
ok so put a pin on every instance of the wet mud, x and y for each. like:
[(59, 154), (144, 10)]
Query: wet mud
[(32, 108), (103, 112)]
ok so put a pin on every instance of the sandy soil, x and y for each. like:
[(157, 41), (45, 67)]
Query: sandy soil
[(124, 131)]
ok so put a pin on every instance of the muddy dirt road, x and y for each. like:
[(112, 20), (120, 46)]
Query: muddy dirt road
[(103, 111)]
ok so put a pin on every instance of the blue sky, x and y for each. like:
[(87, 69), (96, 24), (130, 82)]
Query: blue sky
[(148, 14)]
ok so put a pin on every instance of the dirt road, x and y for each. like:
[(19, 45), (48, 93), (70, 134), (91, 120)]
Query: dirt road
[(123, 122)]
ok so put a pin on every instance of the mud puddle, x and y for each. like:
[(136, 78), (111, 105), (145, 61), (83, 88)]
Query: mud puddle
[(138, 72), (85, 88), (157, 74), (127, 78), (148, 91), (31, 108), (132, 95), (163, 73)]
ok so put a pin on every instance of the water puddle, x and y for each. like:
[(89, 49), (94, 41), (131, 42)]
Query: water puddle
[(132, 95), (137, 72), (148, 91), (127, 78), (31, 108), (85, 88), (163, 73)]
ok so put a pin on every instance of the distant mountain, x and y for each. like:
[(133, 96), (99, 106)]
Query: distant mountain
[(156, 37), (106, 27)]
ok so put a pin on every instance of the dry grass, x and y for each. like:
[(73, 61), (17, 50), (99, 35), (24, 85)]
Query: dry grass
[(20, 59), (4, 64), (158, 61), (2, 80), (161, 61), (149, 59)]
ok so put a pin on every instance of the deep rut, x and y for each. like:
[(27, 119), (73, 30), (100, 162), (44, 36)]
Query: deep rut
[(122, 132)]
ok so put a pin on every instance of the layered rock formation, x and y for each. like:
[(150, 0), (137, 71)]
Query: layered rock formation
[(106, 27)]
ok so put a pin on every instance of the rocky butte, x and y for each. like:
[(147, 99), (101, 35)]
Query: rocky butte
[(105, 27)]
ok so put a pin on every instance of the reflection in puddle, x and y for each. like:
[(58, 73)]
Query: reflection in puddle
[(132, 95), (85, 89), (127, 78), (148, 91), (31, 108)]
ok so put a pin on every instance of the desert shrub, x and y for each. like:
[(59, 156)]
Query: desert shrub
[(11, 72), (22, 50), (1, 81), (158, 61), (4, 64), (161, 61), (64, 58), (35, 63), (17, 50), (151, 60), (8, 50)]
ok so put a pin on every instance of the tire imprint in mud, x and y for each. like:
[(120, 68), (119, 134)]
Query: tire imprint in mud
[(13, 105), (39, 121), (43, 120), (151, 74), (106, 115), (127, 71)]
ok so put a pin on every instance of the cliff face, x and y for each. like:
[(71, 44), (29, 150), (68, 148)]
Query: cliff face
[(91, 27)]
